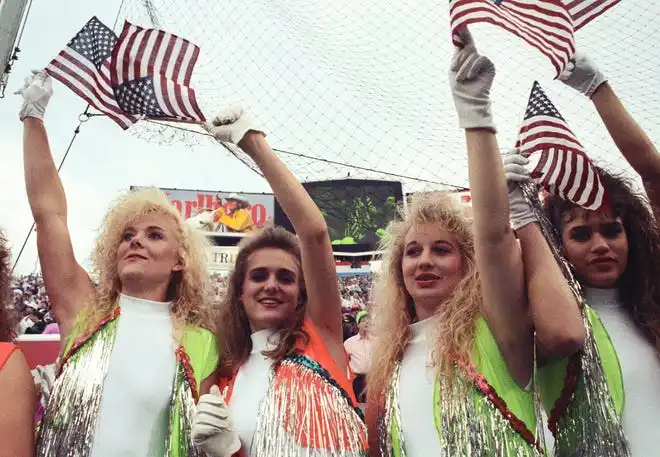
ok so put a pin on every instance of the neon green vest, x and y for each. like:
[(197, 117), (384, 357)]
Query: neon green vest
[(488, 360)]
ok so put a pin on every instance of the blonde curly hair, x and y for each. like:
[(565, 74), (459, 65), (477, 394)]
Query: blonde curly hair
[(393, 309), (187, 289)]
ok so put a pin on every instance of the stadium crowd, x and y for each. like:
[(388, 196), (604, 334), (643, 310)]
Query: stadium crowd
[(31, 306)]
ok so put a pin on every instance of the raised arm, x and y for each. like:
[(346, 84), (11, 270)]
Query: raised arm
[(635, 145), (324, 301), (67, 284), (554, 309), (498, 256)]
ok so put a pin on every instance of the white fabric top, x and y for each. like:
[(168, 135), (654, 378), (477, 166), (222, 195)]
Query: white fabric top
[(133, 415), (640, 367), (416, 395), (250, 388)]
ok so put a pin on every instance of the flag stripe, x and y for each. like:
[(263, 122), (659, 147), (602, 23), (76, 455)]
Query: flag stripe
[(163, 96), (191, 66), (155, 51), (178, 62), (584, 11), (141, 41), (193, 102)]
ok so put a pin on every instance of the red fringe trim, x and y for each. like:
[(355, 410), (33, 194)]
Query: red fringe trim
[(499, 403), (570, 386), (86, 336), (182, 357)]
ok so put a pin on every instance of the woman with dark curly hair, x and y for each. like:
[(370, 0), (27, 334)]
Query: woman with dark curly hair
[(615, 256), (17, 395)]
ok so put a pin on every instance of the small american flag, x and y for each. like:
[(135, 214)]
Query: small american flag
[(547, 25), (84, 67), (557, 159), (150, 74)]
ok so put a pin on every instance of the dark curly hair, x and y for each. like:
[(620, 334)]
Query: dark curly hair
[(233, 326), (7, 330), (638, 285)]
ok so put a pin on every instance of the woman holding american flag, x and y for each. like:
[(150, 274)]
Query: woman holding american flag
[(136, 355), (615, 255), (452, 331)]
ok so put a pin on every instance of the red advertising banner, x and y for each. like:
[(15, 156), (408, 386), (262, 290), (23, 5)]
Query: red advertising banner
[(223, 211)]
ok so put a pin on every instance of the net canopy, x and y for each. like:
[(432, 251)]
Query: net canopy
[(360, 89)]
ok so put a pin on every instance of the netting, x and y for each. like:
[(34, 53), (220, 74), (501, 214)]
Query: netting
[(360, 89)]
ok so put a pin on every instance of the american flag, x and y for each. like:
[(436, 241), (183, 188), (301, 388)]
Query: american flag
[(84, 67), (557, 159), (151, 71), (547, 25)]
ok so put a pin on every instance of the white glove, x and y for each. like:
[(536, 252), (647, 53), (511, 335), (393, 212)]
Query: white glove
[(470, 78), (582, 75), (36, 92), (44, 378), (520, 211), (212, 426), (231, 125)]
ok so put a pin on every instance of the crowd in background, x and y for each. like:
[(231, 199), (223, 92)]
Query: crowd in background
[(33, 313), (31, 306)]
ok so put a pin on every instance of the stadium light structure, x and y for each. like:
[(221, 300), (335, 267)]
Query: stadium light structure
[(12, 15)]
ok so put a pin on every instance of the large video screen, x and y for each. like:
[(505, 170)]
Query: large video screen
[(357, 211)]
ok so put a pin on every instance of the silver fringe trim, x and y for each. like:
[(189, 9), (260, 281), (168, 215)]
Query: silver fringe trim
[(69, 422), (303, 414), (471, 426), (590, 426), (384, 422), (183, 403)]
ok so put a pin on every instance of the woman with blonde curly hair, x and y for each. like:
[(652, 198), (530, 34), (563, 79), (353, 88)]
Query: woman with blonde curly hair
[(452, 334), (17, 394), (136, 354), (283, 366)]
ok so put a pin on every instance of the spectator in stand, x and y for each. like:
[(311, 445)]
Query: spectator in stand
[(358, 348), (349, 325), (17, 395), (355, 291)]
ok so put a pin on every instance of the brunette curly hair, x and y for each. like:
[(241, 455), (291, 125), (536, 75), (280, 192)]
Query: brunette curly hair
[(638, 285)]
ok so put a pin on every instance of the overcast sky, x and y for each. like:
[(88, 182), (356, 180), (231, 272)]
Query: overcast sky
[(360, 83)]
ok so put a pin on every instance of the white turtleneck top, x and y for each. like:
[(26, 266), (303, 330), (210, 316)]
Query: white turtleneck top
[(416, 388), (640, 368), (250, 387), (134, 410)]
